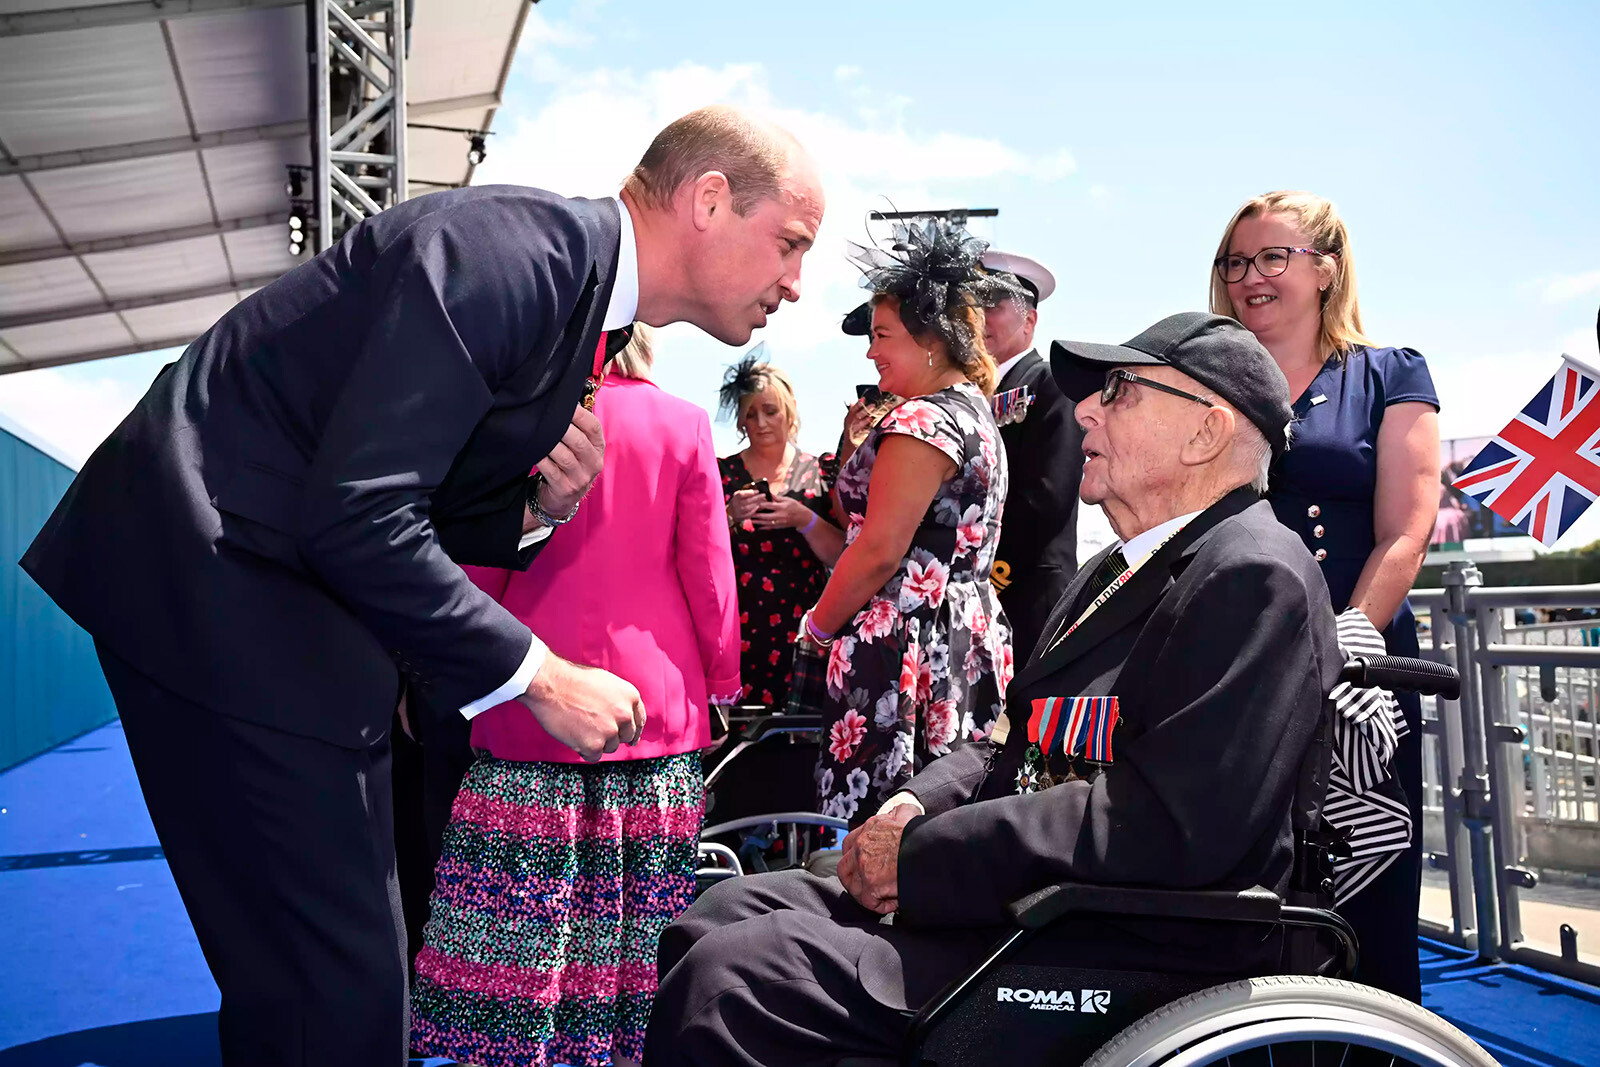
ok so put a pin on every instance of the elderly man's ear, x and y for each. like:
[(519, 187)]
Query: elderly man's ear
[(1211, 440)]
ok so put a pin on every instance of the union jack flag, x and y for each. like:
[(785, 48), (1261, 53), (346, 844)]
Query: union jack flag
[(1543, 470)]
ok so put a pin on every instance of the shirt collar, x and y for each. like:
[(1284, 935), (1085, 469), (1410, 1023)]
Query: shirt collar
[(624, 306), (1136, 548)]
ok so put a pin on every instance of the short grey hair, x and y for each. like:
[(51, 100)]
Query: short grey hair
[(636, 360), (1254, 451)]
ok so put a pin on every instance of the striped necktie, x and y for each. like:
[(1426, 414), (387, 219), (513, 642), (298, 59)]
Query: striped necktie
[(1110, 570)]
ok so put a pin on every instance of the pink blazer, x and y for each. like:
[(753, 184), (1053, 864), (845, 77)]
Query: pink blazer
[(641, 582)]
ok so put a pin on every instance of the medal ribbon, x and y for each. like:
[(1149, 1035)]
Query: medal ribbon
[(1071, 725)]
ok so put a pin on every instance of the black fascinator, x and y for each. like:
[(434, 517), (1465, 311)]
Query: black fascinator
[(743, 378), (935, 269)]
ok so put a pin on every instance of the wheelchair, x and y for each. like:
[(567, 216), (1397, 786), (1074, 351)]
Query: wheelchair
[(760, 790), (1016, 1008)]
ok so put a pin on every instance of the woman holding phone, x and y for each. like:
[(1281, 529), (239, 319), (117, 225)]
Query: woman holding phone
[(780, 519)]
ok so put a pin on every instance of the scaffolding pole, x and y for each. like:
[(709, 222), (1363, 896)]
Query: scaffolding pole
[(356, 53)]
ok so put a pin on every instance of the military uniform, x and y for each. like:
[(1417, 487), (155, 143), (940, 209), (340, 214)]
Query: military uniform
[(1038, 552)]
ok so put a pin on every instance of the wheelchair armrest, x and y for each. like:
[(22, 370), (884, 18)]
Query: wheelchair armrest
[(782, 724), (1040, 909)]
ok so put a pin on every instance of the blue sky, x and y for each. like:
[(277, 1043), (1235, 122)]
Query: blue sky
[(1459, 140)]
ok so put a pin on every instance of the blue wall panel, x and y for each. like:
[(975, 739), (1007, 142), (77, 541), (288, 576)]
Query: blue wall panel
[(51, 688)]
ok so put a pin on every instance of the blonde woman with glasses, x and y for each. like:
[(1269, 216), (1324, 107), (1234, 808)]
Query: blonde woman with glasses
[(1360, 484)]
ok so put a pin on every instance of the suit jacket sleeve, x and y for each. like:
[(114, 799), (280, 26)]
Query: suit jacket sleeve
[(488, 537), (1184, 802), (457, 304), (951, 780), (705, 567)]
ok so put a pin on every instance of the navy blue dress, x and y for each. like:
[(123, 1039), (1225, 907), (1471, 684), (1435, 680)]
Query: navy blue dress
[(1323, 489)]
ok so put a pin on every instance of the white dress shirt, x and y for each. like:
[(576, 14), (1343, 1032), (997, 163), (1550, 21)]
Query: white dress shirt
[(1138, 547), (620, 311)]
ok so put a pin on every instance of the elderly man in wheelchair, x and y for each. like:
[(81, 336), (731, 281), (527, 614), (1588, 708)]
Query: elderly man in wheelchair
[(1126, 839)]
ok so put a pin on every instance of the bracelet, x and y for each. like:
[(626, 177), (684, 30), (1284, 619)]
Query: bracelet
[(808, 527), (815, 632), (538, 511)]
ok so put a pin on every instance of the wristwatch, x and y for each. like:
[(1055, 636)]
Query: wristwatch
[(538, 512)]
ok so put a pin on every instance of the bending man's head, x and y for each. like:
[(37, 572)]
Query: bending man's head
[(1175, 419), (724, 207)]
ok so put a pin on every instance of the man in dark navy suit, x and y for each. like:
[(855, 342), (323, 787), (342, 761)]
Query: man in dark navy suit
[(270, 542)]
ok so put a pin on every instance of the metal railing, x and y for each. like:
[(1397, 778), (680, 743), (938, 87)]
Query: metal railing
[(1517, 750)]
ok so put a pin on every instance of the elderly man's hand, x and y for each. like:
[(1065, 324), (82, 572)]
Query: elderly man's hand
[(870, 866)]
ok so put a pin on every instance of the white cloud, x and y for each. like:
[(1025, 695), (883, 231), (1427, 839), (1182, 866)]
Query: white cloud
[(1570, 287), (846, 72), (582, 136), (72, 413)]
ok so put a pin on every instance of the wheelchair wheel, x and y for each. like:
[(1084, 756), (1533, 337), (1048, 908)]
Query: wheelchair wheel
[(1285, 1021)]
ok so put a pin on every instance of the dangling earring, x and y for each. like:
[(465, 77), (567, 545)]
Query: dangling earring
[(930, 358)]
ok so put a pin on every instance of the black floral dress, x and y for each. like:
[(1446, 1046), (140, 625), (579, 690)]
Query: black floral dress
[(779, 578), (925, 663)]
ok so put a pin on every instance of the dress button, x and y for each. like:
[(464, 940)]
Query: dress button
[(1313, 511), (1320, 554), (1317, 530)]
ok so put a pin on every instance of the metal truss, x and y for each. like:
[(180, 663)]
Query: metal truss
[(358, 112)]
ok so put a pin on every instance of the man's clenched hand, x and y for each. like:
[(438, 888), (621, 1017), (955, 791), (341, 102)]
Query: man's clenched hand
[(585, 708)]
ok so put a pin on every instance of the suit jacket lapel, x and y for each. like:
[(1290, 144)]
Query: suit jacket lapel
[(1069, 597), (606, 225), (1014, 370), (1146, 586), (572, 360)]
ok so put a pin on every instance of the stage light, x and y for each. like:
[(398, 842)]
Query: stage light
[(297, 230), (295, 187), (478, 150)]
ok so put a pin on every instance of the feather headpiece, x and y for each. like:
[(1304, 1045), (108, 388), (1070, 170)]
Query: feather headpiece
[(743, 378), (935, 270)]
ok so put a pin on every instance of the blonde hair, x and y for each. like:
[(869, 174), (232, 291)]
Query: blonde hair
[(980, 370), (753, 156), (636, 360), (1318, 219), (769, 377)]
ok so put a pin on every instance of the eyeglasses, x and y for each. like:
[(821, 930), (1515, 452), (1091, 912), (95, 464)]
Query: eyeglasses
[(1270, 262), (1115, 379)]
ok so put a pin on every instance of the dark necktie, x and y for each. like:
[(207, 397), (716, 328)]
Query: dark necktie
[(1110, 569)]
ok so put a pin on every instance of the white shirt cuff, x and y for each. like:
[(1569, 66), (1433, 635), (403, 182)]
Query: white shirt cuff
[(529, 540), (517, 684)]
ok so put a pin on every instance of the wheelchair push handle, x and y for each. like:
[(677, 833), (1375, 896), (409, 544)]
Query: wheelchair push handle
[(1402, 674)]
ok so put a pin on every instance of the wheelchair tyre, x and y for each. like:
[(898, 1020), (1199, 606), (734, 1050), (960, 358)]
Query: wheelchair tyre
[(1264, 1015)]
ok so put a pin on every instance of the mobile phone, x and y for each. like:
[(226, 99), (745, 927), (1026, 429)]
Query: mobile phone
[(869, 394), (763, 488)]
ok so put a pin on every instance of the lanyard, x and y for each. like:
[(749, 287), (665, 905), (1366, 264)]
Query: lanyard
[(1116, 583), (598, 376)]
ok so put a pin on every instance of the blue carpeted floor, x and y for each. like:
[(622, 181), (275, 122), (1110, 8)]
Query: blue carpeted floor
[(99, 967)]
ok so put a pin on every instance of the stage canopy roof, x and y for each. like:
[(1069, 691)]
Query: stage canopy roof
[(143, 148)]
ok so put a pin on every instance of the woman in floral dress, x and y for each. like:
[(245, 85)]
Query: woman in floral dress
[(918, 649)]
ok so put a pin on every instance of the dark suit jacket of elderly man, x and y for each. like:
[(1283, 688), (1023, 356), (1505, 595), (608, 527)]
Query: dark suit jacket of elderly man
[(1221, 649), (270, 541)]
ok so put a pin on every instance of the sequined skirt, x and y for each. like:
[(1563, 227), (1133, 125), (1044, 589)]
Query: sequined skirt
[(554, 885)]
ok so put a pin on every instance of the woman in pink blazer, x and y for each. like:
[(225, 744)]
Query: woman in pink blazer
[(557, 876)]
